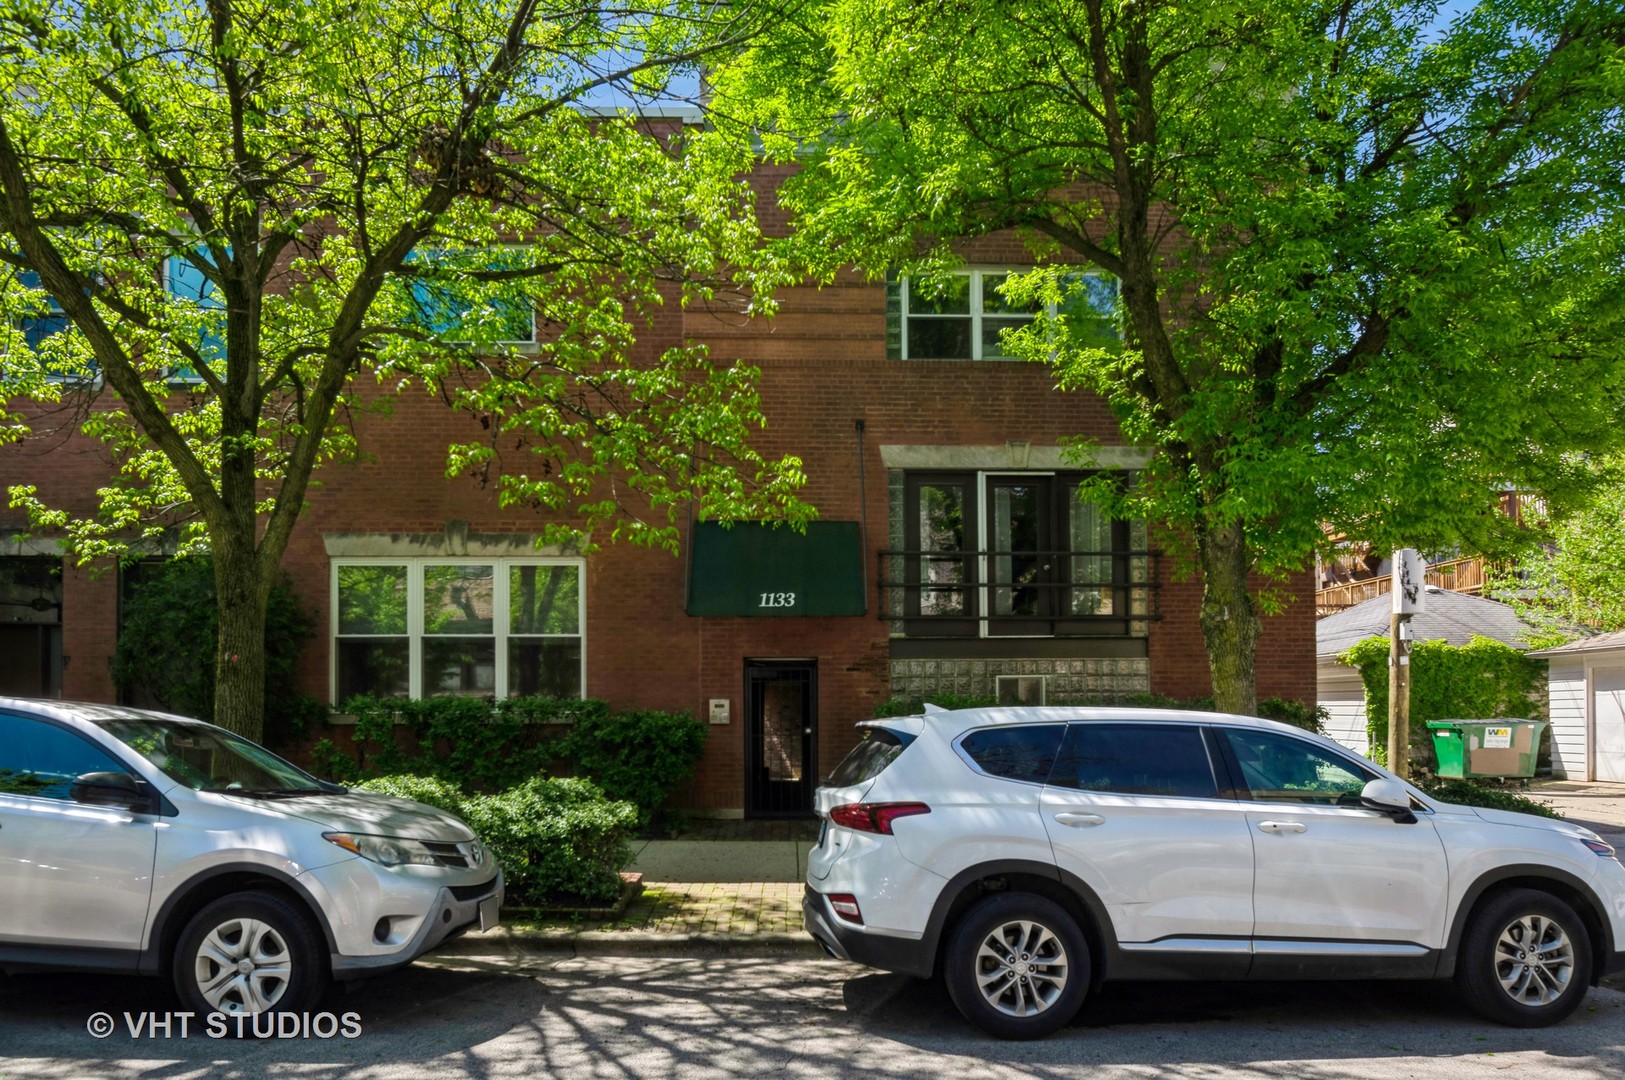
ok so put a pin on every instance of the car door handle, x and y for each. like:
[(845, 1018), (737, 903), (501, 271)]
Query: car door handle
[(1282, 826), (1079, 821)]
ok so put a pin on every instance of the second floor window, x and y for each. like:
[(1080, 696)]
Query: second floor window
[(995, 554), (966, 316)]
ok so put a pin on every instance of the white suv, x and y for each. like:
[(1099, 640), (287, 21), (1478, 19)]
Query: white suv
[(137, 842), (1030, 854)]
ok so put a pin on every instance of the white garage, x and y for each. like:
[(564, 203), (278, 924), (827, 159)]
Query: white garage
[(1586, 700)]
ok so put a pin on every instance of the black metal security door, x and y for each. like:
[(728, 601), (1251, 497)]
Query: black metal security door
[(781, 703)]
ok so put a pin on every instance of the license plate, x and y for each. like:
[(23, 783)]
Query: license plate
[(490, 913), (823, 830)]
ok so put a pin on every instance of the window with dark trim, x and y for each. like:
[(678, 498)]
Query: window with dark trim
[(1015, 554)]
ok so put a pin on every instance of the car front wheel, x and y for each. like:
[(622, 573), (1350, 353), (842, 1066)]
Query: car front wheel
[(1525, 959), (249, 953), (1017, 966)]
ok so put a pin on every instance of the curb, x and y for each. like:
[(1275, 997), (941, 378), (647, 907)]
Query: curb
[(521, 943)]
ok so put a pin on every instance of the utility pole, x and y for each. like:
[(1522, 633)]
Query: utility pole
[(1408, 573)]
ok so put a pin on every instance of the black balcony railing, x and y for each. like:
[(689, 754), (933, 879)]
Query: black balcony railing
[(1020, 593)]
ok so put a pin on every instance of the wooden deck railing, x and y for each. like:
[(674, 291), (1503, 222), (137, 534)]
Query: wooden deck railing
[(1457, 575)]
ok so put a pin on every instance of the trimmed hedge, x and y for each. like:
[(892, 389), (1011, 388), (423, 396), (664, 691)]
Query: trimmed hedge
[(1483, 679), (1469, 793), (639, 755), (557, 838)]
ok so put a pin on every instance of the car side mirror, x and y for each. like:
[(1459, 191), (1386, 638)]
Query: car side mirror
[(1388, 797), (116, 789)]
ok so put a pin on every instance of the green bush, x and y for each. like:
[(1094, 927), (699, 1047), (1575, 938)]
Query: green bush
[(469, 741), (1482, 680), (913, 706), (166, 648), (639, 755), (423, 789), (1489, 796), (556, 838), (1296, 713)]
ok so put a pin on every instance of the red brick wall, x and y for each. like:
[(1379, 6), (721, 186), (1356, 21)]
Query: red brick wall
[(823, 369)]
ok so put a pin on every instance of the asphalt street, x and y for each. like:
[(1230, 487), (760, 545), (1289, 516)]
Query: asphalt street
[(635, 1017)]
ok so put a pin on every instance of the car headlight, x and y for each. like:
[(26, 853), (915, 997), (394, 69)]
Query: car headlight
[(384, 850), (1599, 847)]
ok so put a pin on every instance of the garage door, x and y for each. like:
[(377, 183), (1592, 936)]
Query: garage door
[(1608, 713)]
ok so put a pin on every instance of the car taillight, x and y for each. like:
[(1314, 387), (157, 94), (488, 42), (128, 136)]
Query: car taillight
[(846, 906), (875, 817)]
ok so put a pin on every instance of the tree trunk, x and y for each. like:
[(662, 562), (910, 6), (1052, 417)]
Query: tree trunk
[(241, 596), (1230, 625)]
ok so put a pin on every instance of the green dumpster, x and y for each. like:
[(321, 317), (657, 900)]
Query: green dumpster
[(1469, 748)]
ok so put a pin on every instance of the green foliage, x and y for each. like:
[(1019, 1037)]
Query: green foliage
[(423, 789), (165, 655), (639, 755), (1576, 578), (1297, 713), (1489, 796), (556, 838), (1299, 202), (303, 211), (1482, 680), (472, 742), (904, 706)]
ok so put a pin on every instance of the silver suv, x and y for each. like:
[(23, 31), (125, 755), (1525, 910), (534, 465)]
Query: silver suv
[(1029, 855), (138, 842)]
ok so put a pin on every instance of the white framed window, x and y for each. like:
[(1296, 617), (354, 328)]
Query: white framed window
[(462, 626), (965, 316)]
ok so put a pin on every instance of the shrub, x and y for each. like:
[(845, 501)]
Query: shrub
[(166, 647), (639, 755), (555, 838), (1489, 796), (914, 706), (1481, 680), (423, 789), (1296, 713), (469, 741)]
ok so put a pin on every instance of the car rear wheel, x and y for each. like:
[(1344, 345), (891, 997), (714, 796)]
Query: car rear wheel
[(1017, 966), (1525, 959), (249, 953)]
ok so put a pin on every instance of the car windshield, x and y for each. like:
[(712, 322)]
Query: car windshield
[(208, 759)]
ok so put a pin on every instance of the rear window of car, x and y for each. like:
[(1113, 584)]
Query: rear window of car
[(877, 747), (1015, 753), (1136, 759)]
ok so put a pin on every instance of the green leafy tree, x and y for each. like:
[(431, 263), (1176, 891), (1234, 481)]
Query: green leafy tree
[(1369, 265), (1575, 579), (227, 224)]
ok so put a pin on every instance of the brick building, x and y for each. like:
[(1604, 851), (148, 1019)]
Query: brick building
[(951, 557)]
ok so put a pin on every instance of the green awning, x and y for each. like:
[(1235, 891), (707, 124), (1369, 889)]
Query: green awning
[(756, 569)]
